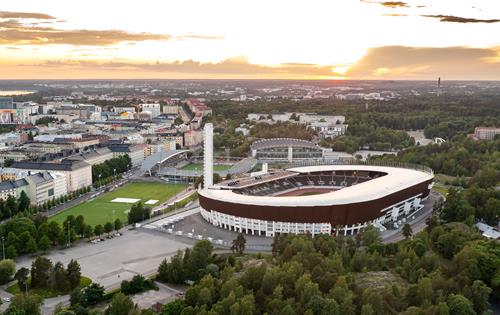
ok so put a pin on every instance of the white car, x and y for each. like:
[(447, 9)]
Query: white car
[(6, 299)]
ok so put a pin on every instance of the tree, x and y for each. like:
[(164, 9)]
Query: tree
[(92, 294), (30, 304), (239, 243), (120, 305), (73, 273), (98, 230), (173, 308), (40, 272), (12, 310), (22, 278), (459, 305), (7, 270), (23, 202), (54, 231), (59, 278), (108, 227), (480, 293), (88, 232), (407, 231), (138, 213), (118, 224), (44, 243), (11, 252)]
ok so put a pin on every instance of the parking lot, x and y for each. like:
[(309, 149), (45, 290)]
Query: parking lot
[(189, 226), (113, 260)]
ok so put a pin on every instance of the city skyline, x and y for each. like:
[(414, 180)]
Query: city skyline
[(351, 39)]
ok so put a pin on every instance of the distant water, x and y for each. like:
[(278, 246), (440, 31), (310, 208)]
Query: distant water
[(19, 92)]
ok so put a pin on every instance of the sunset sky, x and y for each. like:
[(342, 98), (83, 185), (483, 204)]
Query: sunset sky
[(233, 39)]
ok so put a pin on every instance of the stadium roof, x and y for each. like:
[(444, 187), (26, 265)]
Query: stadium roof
[(158, 158), (396, 180), (282, 142)]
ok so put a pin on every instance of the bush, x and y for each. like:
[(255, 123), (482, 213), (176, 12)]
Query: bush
[(7, 270)]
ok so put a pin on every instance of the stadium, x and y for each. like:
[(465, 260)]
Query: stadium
[(317, 199)]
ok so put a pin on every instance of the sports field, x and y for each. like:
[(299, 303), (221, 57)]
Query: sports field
[(100, 210), (199, 167)]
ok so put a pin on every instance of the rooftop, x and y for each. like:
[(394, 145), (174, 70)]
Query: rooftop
[(282, 142)]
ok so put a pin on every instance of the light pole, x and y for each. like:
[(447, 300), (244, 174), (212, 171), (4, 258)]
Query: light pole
[(3, 247), (113, 216), (69, 239)]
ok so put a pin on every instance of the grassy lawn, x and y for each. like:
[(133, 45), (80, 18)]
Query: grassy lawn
[(47, 292), (199, 167), (100, 210)]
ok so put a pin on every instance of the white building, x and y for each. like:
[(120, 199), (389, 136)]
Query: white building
[(154, 109)]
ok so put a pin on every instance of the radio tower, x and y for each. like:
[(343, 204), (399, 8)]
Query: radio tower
[(208, 155)]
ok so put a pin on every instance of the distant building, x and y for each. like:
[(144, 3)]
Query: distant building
[(136, 153), (12, 188), (154, 109), (193, 138), (6, 103), (172, 109), (78, 173), (285, 150), (486, 133)]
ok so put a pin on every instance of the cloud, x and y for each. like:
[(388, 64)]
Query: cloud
[(25, 15), (394, 14), (389, 4), (15, 30), (457, 19), (394, 4), (237, 67), (428, 62)]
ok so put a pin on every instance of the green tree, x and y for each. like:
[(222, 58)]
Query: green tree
[(44, 243), (41, 268), (480, 294), (120, 305), (108, 227), (54, 231), (30, 304), (73, 273), (98, 230), (459, 305), (407, 231), (23, 202), (7, 270), (22, 278), (11, 252), (239, 243), (88, 232), (118, 224), (92, 294), (59, 279)]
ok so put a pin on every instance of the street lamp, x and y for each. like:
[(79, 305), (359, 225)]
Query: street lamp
[(69, 238), (3, 247)]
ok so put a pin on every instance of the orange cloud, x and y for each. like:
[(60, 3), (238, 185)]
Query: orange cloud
[(14, 30), (428, 62), (458, 19), (233, 67)]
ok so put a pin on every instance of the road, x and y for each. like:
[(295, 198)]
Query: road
[(417, 225)]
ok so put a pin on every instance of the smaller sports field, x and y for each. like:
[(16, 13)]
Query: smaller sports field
[(100, 210), (199, 167)]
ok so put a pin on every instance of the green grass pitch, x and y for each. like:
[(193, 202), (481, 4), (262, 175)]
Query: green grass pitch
[(100, 210), (199, 167)]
